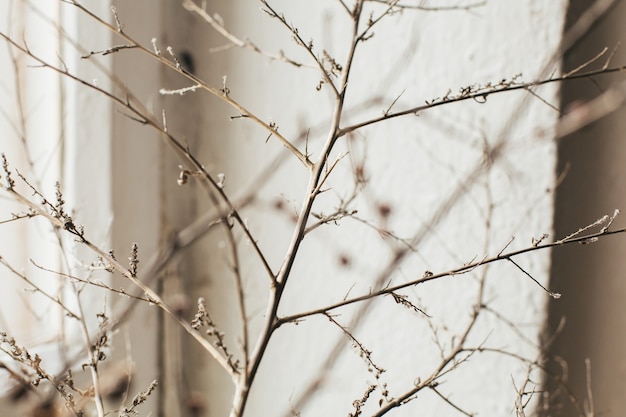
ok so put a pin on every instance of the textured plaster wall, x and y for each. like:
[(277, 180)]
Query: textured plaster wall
[(414, 166)]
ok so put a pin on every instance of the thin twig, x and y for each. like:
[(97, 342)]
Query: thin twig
[(433, 8), (150, 294), (219, 27), (326, 74), (452, 272), (179, 69), (479, 96)]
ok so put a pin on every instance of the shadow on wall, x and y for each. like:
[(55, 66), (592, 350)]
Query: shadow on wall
[(592, 278)]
